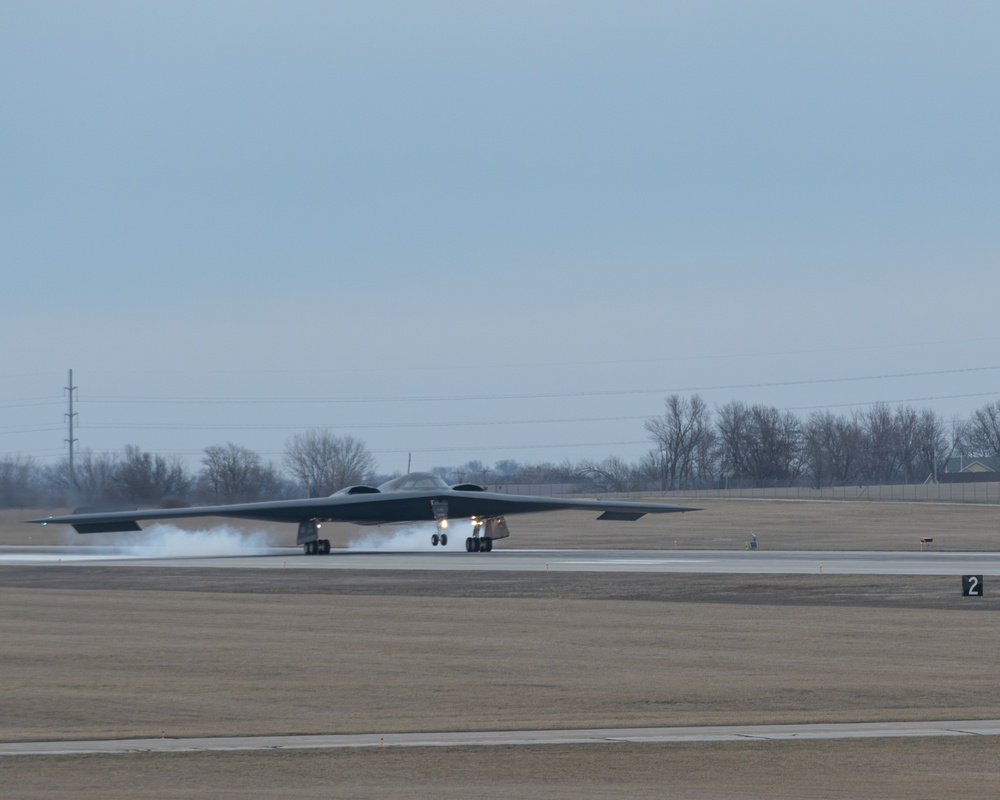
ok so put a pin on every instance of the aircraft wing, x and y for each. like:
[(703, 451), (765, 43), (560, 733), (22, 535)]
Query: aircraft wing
[(368, 508)]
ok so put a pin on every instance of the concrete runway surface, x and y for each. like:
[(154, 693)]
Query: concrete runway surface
[(502, 560), (728, 733)]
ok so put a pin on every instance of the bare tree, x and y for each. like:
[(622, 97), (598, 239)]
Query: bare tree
[(612, 474), (680, 436), (881, 463), (907, 438), (759, 442), (733, 424), (326, 463), (19, 482), (235, 474), (832, 448), (474, 471), (983, 434), (775, 443), (547, 472), (651, 469), (934, 445), (815, 454), (506, 470), (92, 480), (142, 477)]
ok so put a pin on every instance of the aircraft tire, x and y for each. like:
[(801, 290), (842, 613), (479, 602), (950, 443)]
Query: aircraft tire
[(468, 544), (444, 539), (325, 547), (488, 544), (434, 540)]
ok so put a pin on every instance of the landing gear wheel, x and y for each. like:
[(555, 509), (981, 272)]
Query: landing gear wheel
[(444, 539), (309, 548), (324, 546), (487, 545), (468, 545), (434, 540)]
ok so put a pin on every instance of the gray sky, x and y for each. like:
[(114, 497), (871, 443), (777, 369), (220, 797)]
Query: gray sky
[(489, 230)]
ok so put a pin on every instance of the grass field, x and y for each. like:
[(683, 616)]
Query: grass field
[(93, 652)]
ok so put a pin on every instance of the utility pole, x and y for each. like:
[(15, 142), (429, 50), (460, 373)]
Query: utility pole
[(70, 416)]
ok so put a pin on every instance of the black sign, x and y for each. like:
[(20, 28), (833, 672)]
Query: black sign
[(972, 586)]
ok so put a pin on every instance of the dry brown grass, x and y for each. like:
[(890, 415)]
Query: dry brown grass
[(116, 652), (137, 663)]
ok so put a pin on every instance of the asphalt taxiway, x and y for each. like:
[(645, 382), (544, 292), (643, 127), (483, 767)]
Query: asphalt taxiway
[(504, 560)]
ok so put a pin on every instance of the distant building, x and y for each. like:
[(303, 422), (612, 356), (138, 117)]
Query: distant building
[(964, 469)]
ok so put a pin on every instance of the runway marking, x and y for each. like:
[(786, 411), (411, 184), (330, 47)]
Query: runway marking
[(565, 561), (640, 561), (745, 733)]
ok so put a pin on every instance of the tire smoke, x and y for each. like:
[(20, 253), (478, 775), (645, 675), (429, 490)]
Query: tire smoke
[(413, 539), (169, 541)]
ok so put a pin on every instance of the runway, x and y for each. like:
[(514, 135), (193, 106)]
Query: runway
[(503, 560), (728, 733)]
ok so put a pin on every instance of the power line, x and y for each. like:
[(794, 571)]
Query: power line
[(479, 365), (124, 426), (354, 426), (30, 403), (37, 429), (526, 396), (893, 402), (466, 424)]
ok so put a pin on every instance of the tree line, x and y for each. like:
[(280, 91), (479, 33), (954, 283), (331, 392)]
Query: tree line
[(316, 463), (696, 448), (693, 447)]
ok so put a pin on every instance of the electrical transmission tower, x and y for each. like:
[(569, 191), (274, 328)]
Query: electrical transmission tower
[(71, 416)]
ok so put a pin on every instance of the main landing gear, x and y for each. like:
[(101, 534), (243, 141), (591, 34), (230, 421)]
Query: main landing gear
[(477, 543), (320, 547), (308, 537)]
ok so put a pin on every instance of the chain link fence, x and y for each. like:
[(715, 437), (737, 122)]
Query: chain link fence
[(972, 492)]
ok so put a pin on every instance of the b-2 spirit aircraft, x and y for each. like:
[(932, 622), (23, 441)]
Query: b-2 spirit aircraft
[(416, 497)]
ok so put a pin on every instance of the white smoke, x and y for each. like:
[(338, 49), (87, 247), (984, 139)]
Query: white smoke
[(157, 541), (413, 539), (169, 541)]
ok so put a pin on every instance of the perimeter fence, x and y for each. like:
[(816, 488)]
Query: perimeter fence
[(978, 492), (971, 492)]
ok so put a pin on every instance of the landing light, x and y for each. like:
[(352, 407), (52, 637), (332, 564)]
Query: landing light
[(444, 523)]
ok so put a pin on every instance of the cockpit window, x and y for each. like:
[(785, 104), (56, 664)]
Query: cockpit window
[(414, 482)]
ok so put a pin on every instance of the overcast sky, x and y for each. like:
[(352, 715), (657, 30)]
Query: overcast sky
[(489, 230)]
